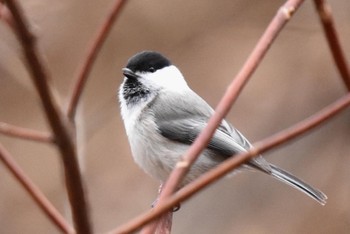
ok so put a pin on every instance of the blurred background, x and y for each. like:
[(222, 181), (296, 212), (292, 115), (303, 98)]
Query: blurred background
[(209, 41)]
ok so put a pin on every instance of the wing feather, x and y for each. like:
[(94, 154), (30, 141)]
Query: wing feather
[(182, 119)]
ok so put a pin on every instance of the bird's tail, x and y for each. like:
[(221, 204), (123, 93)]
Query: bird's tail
[(291, 180)]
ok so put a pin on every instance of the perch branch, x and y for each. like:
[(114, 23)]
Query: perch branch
[(325, 14), (58, 124), (40, 199), (282, 16), (227, 166), (25, 133), (90, 57)]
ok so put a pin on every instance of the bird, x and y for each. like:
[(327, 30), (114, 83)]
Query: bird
[(163, 116)]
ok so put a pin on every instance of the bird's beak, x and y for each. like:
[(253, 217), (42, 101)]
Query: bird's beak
[(129, 74)]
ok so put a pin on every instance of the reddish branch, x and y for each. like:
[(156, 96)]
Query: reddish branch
[(90, 57), (234, 162), (44, 204), (231, 94), (282, 17), (325, 14), (58, 124), (25, 133)]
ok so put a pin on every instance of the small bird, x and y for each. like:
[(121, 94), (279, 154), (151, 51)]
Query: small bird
[(163, 116)]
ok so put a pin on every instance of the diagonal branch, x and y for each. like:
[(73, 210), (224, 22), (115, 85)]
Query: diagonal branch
[(58, 124), (283, 15), (281, 18), (227, 166), (92, 52), (325, 14), (44, 204), (25, 133)]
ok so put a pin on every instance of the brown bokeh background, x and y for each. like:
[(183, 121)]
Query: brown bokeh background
[(209, 41)]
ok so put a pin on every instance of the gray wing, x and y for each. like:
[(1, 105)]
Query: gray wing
[(182, 119), (186, 131)]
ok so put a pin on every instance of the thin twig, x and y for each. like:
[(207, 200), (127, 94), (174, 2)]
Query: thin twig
[(325, 14), (58, 124), (227, 166), (282, 17), (44, 204), (25, 133), (85, 68)]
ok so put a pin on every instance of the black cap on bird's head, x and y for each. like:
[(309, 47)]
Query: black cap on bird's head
[(146, 61)]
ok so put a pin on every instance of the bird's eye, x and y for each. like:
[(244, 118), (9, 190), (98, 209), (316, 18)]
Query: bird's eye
[(151, 69)]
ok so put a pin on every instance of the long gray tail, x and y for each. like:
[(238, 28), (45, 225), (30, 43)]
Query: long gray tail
[(293, 181)]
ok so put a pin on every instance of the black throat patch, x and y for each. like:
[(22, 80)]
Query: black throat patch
[(134, 91)]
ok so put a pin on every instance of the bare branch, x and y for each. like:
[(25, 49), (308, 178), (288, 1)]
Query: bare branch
[(25, 133), (90, 57), (282, 17), (325, 14), (57, 122), (234, 162), (44, 204)]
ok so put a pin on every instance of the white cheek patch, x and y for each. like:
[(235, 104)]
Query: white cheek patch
[(169, 78)]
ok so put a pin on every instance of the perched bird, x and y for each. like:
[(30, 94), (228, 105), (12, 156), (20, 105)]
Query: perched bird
[(163, 116)]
